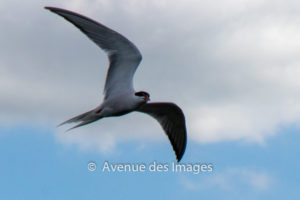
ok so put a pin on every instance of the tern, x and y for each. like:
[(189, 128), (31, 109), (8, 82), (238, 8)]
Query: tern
[(120, 98)]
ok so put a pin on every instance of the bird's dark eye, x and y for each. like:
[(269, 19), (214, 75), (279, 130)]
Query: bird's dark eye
[(139, 94), (142, 94)]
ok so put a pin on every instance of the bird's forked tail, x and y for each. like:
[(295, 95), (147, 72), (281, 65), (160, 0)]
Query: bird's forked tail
[(84, 119)]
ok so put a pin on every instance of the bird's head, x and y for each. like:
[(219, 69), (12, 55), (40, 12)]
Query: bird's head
[(144, 96)]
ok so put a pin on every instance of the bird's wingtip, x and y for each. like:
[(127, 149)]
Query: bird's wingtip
[(178, 158)]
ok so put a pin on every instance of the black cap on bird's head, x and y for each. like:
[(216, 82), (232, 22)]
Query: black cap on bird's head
[(143, 94)]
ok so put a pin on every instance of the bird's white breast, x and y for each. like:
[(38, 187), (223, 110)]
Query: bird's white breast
[(119, 105)]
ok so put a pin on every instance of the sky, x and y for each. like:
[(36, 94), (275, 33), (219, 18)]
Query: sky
[(232, 66)]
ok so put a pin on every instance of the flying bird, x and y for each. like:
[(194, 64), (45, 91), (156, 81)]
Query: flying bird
[(120, 98)]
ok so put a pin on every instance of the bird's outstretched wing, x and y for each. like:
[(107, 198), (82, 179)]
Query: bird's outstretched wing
[(172, 120), (123, 55)]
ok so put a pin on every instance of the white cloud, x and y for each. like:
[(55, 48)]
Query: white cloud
[(232, 66), (235, 180)]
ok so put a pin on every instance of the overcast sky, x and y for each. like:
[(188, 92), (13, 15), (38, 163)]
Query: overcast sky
[(233, 66)]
